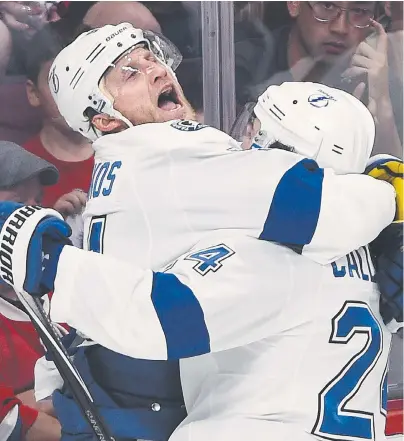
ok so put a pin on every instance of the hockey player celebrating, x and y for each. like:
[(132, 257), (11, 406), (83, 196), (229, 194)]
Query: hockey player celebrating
[(173, 181), (283, 197), (255, 324), (224, 296), (158, 186)]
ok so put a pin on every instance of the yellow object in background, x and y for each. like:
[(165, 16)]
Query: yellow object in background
[(391, 170)]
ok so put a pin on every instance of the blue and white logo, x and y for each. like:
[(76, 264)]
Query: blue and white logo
[(320, 99), (187, 126), (54, 80)]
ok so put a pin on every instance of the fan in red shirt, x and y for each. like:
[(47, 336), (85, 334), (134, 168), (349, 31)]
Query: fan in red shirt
[(73, 175), (23, 177), (69, 151)]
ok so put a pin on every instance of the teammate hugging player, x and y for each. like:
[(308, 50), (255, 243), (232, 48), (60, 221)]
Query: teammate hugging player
[(234, 309)]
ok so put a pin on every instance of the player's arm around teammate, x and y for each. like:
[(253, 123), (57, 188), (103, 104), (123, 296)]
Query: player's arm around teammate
[(208, 300)]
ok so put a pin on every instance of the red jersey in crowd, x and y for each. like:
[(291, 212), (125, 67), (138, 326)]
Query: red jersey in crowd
[(15, 418), (20, 348), (72, 174)]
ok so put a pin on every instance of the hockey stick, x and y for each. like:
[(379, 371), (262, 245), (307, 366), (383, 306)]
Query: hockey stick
[(67, 370)]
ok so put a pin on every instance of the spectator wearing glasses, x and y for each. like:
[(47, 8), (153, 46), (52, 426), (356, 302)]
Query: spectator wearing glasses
[(341, 45)]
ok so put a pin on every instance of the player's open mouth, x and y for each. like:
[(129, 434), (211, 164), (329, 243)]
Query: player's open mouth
[(168, 99)]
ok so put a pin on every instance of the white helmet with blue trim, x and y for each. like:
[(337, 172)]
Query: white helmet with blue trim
[(319, 122), (74, 78)]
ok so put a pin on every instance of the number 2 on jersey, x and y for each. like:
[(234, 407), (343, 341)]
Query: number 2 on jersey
[(335, 420)]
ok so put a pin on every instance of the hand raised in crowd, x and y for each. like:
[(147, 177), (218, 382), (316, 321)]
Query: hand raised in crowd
[(71, 203), (372, 62), (23, 16)]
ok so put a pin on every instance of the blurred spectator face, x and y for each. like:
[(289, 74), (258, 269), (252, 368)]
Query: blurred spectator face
[(326, 31), (394, 10), (40, 96), (143, 90), (103, 13), (28, 192)]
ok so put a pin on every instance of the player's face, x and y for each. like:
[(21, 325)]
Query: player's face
[(328, 40), (28, 192), (252, 129), (144, 90)]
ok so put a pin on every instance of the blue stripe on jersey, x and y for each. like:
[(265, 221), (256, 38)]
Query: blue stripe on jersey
[(295, 208), (181, 317)]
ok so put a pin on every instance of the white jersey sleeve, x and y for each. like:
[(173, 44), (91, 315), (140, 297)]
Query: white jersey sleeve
[(169, 188), (347, 202), (9, 427), (211, 299)]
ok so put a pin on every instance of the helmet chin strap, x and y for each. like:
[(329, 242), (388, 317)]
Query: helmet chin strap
[(109, 100)]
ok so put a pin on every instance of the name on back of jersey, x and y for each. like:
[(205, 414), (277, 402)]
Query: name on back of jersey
[(357, 264), (103, 178)]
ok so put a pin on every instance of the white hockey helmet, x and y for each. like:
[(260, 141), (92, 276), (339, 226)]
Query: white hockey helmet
[(318, 122), (76, 72)]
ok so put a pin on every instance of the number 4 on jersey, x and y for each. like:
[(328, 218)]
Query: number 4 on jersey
[(210, 259)]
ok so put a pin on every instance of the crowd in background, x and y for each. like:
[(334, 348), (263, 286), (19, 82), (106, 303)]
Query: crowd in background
[(355, 46)]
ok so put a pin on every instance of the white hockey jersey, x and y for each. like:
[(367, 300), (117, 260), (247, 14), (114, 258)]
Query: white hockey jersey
[(280, 347), (159, 188), (161, 191)]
